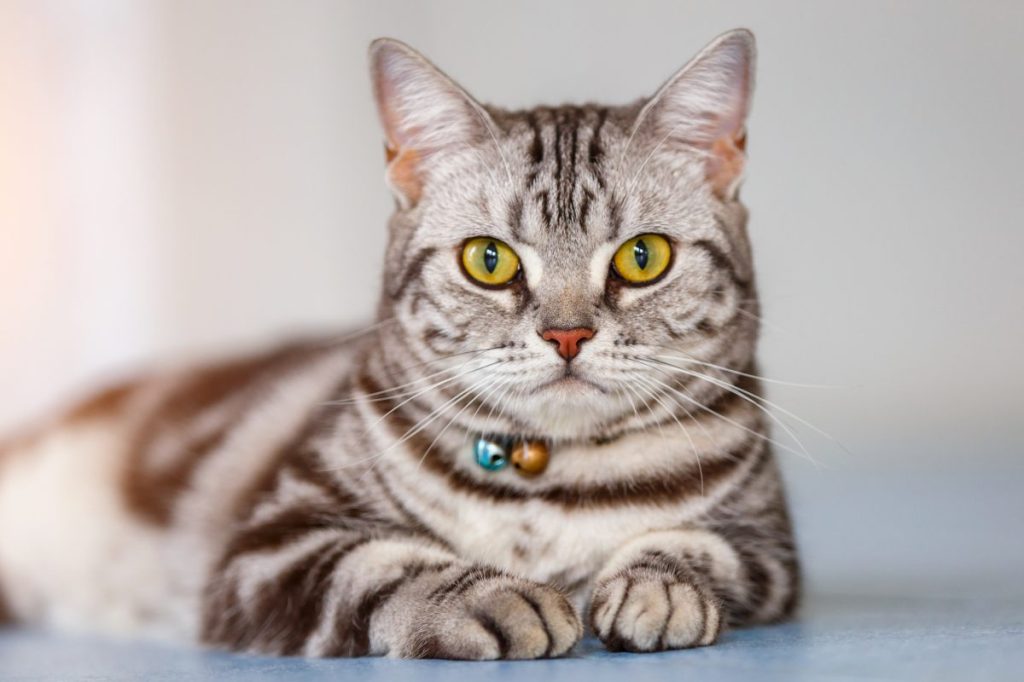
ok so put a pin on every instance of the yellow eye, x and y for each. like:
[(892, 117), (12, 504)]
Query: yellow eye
[(490, 262), (643, 259)]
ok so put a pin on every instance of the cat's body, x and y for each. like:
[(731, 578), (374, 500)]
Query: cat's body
[(323, 499)]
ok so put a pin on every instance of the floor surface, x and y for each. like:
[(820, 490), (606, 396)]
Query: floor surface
[(835, 638)]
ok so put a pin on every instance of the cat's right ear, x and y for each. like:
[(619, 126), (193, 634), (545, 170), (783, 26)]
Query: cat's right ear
[(424, 114)]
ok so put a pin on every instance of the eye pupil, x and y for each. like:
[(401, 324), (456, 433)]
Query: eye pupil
[(640, 253), (491, 257)]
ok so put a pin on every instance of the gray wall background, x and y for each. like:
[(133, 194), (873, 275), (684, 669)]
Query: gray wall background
[(182, 178)]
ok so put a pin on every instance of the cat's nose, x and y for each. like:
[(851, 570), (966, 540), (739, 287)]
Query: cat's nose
[(568, 340)]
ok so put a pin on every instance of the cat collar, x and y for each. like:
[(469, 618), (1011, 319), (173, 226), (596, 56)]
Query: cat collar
[(527, 457)]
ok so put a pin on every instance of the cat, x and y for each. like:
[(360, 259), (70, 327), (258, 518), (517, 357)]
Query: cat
[(567, 290)]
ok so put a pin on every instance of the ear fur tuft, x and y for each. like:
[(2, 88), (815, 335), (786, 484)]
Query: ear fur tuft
[(705, 106)]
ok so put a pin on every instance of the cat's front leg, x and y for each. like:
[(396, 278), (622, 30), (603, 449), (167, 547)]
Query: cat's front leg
[(676, 589), (317, 590)]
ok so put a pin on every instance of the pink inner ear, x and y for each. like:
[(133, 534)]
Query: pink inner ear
[(403, 173), (725, 164)]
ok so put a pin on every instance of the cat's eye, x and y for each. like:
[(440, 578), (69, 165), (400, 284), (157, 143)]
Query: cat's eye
[(489, 261), (643, 259)]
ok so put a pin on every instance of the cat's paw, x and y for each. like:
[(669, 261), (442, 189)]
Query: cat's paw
[(642, 610), (485, 614)]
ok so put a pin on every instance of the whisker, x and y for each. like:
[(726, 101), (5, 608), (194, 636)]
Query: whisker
[(369, 428), (691, 359), (417, 427), (487, 123), (734, 390), (662, 141), (756, 400), (733, 422), (699, 423), (363, 331), (629, 397), (482, 400), (693, 446), (430, 388), (646, 394), (442, 358), (398, 391), (355, 398), (495, 406), (769, 325), (472, 392)]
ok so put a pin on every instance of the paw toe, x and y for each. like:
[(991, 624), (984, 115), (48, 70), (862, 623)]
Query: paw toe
[(643, 616), (653, 614), (686, 625), (515, 624), (561, 622), (466, 639), (528, 620)]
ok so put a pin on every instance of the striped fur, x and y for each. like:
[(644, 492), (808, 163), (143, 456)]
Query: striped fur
[(320, 499)]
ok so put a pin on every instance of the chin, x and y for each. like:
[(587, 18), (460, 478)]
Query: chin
[(569, 408)]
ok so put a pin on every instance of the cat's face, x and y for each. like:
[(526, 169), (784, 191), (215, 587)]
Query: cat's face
[(565, 270)]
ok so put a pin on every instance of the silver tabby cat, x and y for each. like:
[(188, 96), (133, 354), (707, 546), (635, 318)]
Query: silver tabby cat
[(574, 276)]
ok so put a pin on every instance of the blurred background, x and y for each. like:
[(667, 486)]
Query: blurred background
[(185, 178)]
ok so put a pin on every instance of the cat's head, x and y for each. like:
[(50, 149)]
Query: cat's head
[(565, 270)]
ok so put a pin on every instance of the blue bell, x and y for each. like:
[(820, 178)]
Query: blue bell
[(490, 455)]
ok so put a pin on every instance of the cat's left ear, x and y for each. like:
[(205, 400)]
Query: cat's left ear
[(705, 106), (425, 115)]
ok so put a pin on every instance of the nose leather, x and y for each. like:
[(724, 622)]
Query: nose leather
[(568, 341)]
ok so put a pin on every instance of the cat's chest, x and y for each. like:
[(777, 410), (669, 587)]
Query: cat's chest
[(545, 542), (561, 526)]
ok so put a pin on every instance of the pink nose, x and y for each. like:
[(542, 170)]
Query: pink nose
[(568, 340)]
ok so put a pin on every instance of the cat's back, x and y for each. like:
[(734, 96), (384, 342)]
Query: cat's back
[(108, 478)]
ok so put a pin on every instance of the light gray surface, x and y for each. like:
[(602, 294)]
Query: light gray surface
[(835, 638)]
